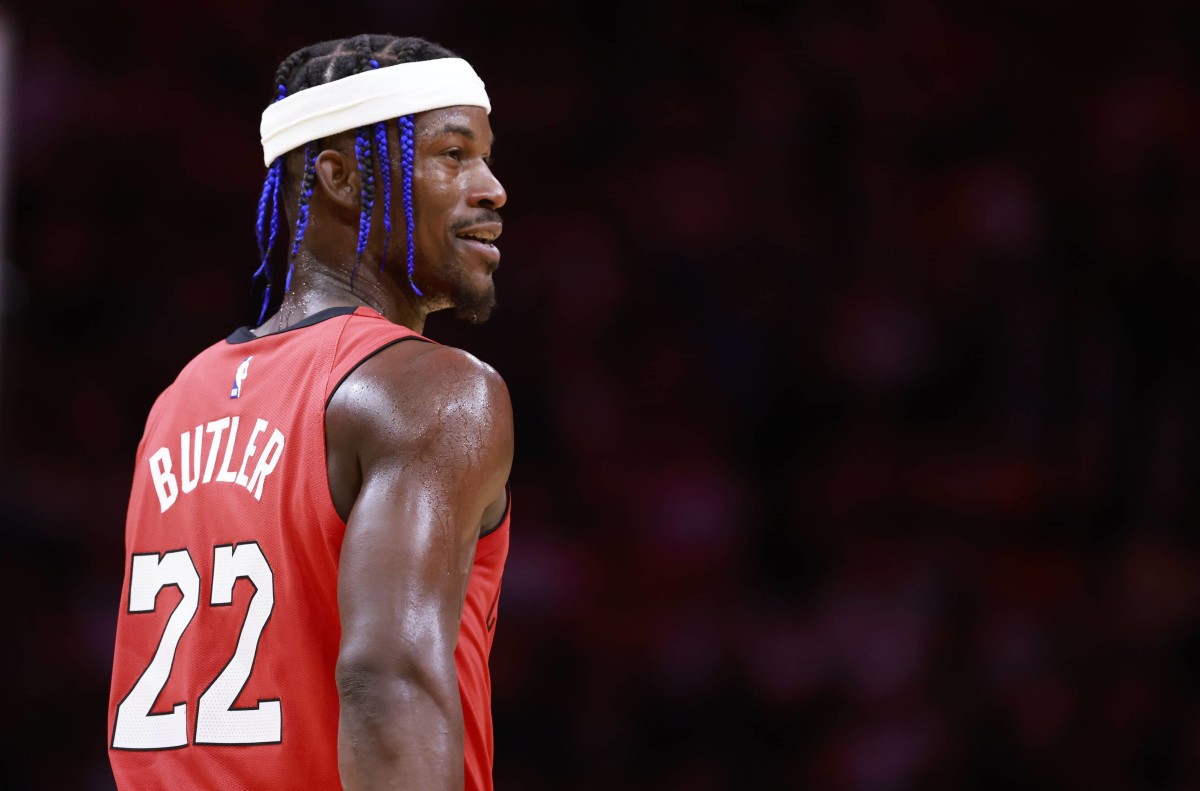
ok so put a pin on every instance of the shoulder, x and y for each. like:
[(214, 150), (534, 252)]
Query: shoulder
[(442, 369), (420, 376), (414, 392)]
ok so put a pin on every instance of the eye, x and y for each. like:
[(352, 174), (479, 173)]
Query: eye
[(454, 153)]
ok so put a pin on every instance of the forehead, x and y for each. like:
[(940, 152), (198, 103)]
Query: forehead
[(464, 120)]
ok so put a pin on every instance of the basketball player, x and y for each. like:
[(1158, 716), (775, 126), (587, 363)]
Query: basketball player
[(319, 516)]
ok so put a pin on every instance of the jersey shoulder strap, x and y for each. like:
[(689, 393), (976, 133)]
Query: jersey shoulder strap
[(364, 334)]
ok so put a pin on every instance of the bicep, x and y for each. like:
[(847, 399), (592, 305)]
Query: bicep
[(432, 458), (405, 556)]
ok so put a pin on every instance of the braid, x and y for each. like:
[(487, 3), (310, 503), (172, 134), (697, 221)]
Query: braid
[(260, 226), (276, 213), (385, 171), (407, 154), (285, 70), (306, 188), (270, 192), (363, 147), (364, 152)]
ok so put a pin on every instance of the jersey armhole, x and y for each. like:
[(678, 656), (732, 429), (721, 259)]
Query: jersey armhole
[(366, 357), (504, 516), (334, 391)]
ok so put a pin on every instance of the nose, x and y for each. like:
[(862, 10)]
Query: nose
[(486, 190)]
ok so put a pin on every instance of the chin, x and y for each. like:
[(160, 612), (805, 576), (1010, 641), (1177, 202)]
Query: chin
[(475, 314), (475, 305)]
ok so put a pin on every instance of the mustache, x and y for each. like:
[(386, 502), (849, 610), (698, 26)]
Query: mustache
[(484, 216)]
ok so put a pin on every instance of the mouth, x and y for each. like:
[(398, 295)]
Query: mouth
[(482, 238)]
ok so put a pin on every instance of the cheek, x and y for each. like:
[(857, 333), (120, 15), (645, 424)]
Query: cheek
[(433, 191)]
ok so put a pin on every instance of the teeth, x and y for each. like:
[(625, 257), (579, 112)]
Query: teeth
[(486, 237)]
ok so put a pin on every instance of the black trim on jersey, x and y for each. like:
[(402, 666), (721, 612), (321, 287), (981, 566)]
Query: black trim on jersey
[(358, 364), (244, 335), (332, 393), (507, 509)]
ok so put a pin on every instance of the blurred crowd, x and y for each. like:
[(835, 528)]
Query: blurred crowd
[(852, 348)]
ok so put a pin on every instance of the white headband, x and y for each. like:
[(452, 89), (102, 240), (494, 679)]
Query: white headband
[(367, 98)]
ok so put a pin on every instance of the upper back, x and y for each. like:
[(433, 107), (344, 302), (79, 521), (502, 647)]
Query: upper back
[(228, 630)]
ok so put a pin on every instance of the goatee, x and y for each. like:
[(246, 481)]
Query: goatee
[(475, 308)]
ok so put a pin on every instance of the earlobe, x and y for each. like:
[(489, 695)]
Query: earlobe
[(339, 181)]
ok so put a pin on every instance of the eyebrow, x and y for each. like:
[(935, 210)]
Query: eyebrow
[(458, 129)]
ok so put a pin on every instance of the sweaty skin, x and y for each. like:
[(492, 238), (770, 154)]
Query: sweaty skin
[(423, 436), (419, 445)]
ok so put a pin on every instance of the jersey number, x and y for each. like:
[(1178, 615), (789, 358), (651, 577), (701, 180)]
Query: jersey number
[(217, 722)]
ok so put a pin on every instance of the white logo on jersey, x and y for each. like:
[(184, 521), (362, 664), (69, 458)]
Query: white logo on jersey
[(242, 372)]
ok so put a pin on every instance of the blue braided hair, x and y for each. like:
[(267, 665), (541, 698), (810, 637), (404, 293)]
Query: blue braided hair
[(407, 154), (264, 199), (364, 152), (306, 190), (268, 229), (364, 145), (385, 169)]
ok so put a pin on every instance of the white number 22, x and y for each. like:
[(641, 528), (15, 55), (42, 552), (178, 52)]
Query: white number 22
[(217, 722)]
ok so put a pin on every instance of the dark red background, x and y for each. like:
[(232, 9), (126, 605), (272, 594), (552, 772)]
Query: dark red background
[(852, 346)]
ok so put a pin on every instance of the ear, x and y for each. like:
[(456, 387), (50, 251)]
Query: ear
[(338, 178)]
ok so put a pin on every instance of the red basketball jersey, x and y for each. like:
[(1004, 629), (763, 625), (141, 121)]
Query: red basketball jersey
[(228, 630)]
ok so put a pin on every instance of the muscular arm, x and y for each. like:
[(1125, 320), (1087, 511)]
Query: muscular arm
[(430, 430)]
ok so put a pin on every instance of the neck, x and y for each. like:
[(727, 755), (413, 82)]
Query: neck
[(316, 287)]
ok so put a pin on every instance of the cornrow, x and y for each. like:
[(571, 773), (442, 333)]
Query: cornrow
[(362, 50), (285, 70), (407, 154)]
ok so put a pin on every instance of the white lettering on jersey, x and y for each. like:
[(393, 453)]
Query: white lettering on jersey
[(220, 442), (225, 474), (164, 481), (266, 464), (217, 429), (259, 427), (190, 461)]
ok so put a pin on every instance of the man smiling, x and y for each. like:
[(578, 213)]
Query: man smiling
[(327, 617)]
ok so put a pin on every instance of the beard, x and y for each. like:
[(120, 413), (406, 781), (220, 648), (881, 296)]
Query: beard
[(450, 280), (473, 304)]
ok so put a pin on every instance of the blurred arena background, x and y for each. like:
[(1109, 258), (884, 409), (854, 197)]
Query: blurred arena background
[(852, 345)]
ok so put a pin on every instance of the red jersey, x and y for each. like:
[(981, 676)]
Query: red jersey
[(228, 631)]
